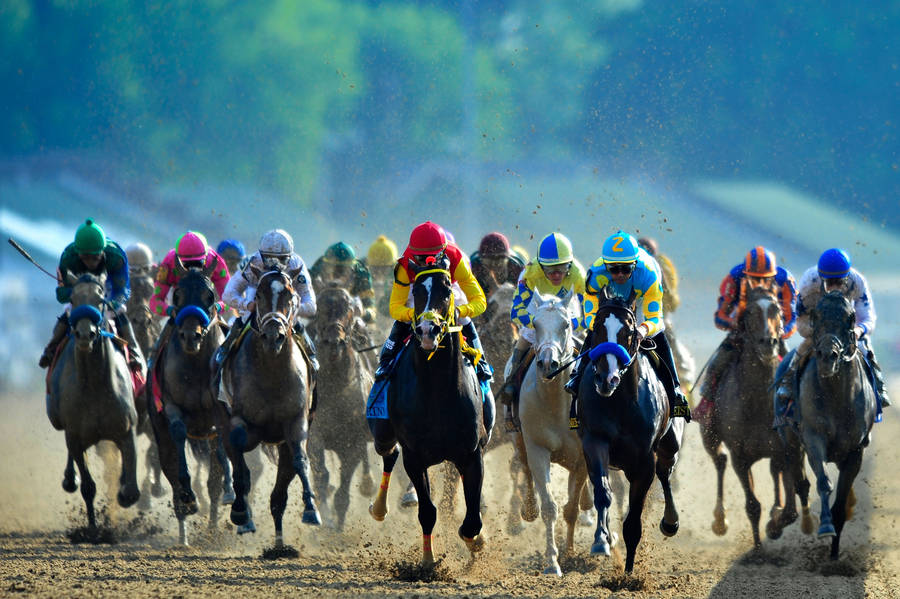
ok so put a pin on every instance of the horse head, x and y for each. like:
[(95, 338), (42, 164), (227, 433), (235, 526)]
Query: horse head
[(336, 316), (761, 325), (552, 320), (615, 340), (86, 316), (433, 306), (276, 305), (833, 321), (194, 299)]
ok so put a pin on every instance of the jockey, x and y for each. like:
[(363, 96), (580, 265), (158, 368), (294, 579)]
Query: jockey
[(625, 267), (556, 272), (140, 261), (276, 252), (758, 269), (339, 265), (380, 260), (93, 253), (234, 254), (832, 273), (494, 263)]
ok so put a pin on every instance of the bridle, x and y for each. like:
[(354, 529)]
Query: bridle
[(624, 356), (283, 319), (445, 324)]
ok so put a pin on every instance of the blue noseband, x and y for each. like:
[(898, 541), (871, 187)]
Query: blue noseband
[(611, 348), (192, 310), (85, 311)]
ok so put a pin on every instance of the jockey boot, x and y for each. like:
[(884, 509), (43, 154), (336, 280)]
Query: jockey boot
[(879, 378), (225, 349), (574, 381), (60, 329), (308, 346), (126, 332), (680, 407), (482, 368), (391, 347), (784, 391), (510, 389)]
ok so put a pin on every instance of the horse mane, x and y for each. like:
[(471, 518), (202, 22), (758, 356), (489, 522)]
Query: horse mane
[(834, 304)]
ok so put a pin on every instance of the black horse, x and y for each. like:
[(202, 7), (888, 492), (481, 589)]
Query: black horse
[(187, 408), (434, 408), (624, 422)]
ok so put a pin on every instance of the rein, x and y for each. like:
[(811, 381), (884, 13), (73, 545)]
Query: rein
[(623, 355), (447, 325), (279, 317)]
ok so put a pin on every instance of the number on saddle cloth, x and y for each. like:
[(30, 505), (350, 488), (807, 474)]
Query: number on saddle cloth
[(376, 404)]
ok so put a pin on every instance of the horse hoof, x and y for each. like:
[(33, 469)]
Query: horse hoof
[(70, 485), (311, 517), (667, 529), (826, 530), (377, 516), (128, 498), (407, 501), (529, 514), (239, 518), (586, 518), (228, 497), (475, 544), (720, 527), (807, 524), (514, 528), (613, 539), (773, 530), (553, 570), (367, 486), (157, 490), (601, 548), (249, 526)]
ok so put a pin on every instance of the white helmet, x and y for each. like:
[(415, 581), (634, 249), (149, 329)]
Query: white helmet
[(276, 243), (139, 255)]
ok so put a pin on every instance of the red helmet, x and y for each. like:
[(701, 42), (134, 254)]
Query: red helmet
[(428, 239), (494, 244), (760, 262)]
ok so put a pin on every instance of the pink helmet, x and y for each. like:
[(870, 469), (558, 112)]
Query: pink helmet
[(191, 246)]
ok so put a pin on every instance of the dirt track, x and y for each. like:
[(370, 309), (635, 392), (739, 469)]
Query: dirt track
[(372, 559)]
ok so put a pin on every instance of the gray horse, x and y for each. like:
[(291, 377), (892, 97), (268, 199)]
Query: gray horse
[(741, 421), (91, 396), (268, 384), (343, 385), (188, 408), (835, 410)]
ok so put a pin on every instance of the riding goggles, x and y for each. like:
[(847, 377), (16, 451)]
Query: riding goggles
[(621, 268), (557, 269)]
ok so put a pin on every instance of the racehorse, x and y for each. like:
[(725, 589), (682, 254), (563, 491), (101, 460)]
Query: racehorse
[(835, 410), (270, 389), (434, 408), (91, 396), (184, 405), (544, 416), (742, 416), (147, 328), (624, 422), (343, 384)]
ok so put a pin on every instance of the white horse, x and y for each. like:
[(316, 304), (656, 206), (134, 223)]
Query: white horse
[(544, 415)]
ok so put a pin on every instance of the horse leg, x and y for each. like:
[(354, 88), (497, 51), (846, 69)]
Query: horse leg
[(278, 499), (451, 485), (472, 473), (529, 507), (848, 471), (577, 478), (386, 446), (349, 463), (219, 473), (418, 474), (715, 450), (227, 478), (639, 480), (154, 466), (238, 441), (666, 457), (128, 493), (70, 479), (321, 476), (187, 501), (297, 444), (366, 482), (88, 487), (741, 466), (596, 454), (815, 448), (586, 504), (513, 515), (539, 463)]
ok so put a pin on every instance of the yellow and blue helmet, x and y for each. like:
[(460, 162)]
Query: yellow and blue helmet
[(555, 249), (620, 247)]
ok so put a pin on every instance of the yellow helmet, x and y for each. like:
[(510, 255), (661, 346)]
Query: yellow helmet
[(521, 252), (383, 252)]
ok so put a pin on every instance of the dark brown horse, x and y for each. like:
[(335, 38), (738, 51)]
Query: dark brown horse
[(270, 391), (343, 384), (742, 416), (91, 396)]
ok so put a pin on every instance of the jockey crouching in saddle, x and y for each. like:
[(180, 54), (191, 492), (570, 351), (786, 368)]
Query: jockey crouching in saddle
[(832, 273), (381, 260), (426, 242), (494, 263), (339, 265), (556, 272), (234, 254), (276, 252), (759, 269), (91, 252), (625, 267), (190, 251)]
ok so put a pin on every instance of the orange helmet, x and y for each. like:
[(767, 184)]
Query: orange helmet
[(760, 262)]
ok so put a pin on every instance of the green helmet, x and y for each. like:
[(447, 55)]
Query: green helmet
[(90, 238), (340, 253)]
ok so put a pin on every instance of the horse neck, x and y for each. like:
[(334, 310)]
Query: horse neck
[(96, 366), (839, 387), (445, 365)]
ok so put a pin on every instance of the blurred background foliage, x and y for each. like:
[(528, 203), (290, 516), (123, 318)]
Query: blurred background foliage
[(277, 93)]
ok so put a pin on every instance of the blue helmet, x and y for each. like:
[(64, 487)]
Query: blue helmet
[(232, 244), (834, 264), (620, 247)]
